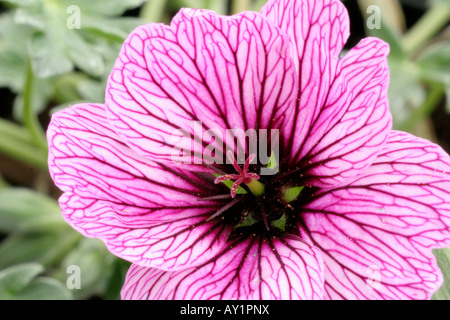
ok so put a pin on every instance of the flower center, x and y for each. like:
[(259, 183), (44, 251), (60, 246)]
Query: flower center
[(268, 203), (250, 179)]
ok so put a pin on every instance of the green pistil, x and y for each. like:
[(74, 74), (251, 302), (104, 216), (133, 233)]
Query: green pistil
[(256, 188)]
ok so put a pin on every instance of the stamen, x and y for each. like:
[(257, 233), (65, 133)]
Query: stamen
[(223, 209), (219, 197), (209, 166)]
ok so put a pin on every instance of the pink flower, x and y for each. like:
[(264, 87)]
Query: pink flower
[(352, 211)]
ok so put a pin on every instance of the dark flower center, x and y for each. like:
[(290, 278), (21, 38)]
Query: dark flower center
[(267, 201)]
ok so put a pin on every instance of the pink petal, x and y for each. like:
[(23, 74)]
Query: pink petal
[(249, 268), (226, 72), (355, 122), (342, 115), (377, 231), (144, 212)]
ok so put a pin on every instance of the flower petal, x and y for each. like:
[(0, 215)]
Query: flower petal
[(144, 212), (225, 72), (249, 268), (354, 124), (342, 115), (318, 31), (377, 231)]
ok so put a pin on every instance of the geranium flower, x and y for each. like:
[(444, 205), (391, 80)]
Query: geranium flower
[(351, 209)]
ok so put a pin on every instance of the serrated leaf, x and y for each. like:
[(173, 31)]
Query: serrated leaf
[(16, 278)]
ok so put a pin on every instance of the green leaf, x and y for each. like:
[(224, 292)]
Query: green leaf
[(25, 210), (92, 91), (16, 283), (17, 143), (406, 92), (153, 10), (42, 93), (113, 29), (96, 264), (44, 289), (83, 54), (443, 260), (435, 61), (43, 248), (117, 279), (13, 55), (48, 56), (12, 70), (436, 2), (32, 18), (101, 7), (22, 3), (447, 93), (16, 278)]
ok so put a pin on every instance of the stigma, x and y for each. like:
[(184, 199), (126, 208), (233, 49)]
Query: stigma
[(243, 176)]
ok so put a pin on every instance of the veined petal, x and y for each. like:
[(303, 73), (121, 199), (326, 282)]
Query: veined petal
[(144, 212), (248, 268), (377, 231), (318, 31), (225, 72), (342, 116), (355, 122)]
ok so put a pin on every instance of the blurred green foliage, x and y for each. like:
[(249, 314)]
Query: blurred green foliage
[(49, 62)]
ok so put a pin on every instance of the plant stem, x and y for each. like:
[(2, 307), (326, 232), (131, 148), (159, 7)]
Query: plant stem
[(435, 95), (430, 24), (3, 183), (17, 143), (30, 119), (238, 6)]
